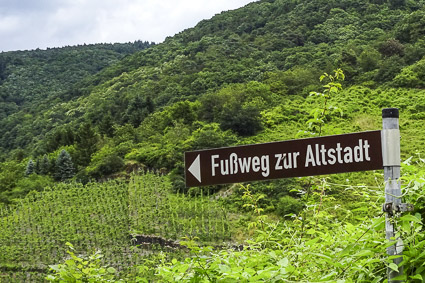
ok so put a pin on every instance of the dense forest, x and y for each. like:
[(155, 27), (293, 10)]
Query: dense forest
[(110, 123)]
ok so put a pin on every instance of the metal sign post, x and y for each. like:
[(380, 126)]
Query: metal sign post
[(393, 206)]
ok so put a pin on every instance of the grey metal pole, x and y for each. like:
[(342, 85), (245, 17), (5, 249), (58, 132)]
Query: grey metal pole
[(391, 162)]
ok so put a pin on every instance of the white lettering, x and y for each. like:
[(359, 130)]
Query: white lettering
[(224, 167), (295, 156), (213, 164), (317, 155), (309, 157), (338, 150), (287, 161), (265, 165), (244, 164), (331, 155), (358, 152), (366, 150), (323, 152), (348, 154), (255, 164), (233, 163), (279, 158)]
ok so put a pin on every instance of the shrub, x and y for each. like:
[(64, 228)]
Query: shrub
[(288, 205), (82, 269), (391, 47), (411, 76)]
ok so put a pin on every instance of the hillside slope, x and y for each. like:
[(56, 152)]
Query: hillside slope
[(242, 76), (245, 76), (32, 82)]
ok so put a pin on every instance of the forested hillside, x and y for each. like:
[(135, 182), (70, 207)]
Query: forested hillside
[(225, 77), (31, 82), (91, 113)]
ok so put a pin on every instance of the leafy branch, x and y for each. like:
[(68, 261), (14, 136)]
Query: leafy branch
[(331, 88)]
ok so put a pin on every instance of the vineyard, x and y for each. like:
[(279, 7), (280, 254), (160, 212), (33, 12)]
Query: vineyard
[(109, 216), (77, 121)]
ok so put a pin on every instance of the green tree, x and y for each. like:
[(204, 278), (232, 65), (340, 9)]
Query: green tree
[(30, 168), (412, 76), (389, 68), (411, 27), (183, 111), (332, 86), (106, 161), (3, 64), (33, 182), (245, 121), (391, 47), (237, 107), (37, 166), (106, 126), (64, 166), (134, 113), (369, 59), (211, 136), (44, 165), (138, 109), (10, 173), (86, 144)]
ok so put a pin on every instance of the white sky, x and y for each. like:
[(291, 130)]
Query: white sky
[(31, 24)]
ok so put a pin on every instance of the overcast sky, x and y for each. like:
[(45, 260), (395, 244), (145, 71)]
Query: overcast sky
[(31, 24)]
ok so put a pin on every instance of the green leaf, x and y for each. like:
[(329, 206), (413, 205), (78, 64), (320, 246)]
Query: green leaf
[(250, 271), (50, 277), (70, 262), (224, 268), (364, 252), (389, 244), (417, 276), (346, 250), (329, 276), (364, 208), (283, 262), (111, 270), (378, 223), (393, 266), (312, 242), (69, 245), (409, 217), (54, 267), (402, 278)]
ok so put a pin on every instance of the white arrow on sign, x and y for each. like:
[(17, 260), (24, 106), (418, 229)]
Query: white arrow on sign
[(195, 168)]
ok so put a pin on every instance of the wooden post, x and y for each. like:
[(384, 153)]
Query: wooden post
[(391, 162)]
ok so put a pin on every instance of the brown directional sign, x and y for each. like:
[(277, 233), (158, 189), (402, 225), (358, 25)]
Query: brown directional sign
[(294, 158)]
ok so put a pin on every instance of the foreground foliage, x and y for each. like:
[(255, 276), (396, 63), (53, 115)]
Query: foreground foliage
[(317, 246), (242, 77), (323, 242), (82, 269)]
